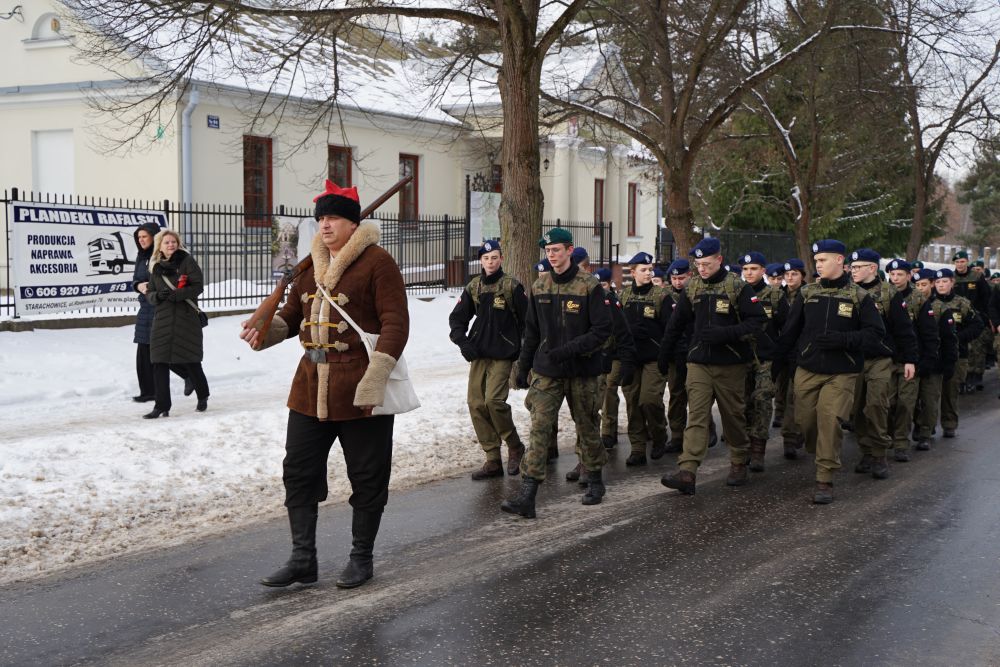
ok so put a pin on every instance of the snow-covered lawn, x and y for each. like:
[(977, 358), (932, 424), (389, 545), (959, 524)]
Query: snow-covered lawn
[(83, 477)]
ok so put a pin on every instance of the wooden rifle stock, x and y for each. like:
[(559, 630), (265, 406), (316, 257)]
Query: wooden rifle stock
[(264, 315)]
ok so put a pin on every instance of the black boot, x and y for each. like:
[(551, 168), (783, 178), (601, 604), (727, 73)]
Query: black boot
[(359, 569), (595, 488), (301, 567), (524, 502)]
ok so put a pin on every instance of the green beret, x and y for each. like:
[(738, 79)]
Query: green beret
[(961, 254), (555, 235)]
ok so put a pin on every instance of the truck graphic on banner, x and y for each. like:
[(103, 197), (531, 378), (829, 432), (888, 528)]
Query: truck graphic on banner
[(111, 253)]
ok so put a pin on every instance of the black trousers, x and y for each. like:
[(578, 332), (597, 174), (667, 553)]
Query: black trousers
[(367, 447), (161, 381), (144, 370)]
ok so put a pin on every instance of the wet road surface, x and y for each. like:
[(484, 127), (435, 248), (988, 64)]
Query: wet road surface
[(901, 572)]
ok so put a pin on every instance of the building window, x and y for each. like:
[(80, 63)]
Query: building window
[(338, 163), (258, 189), (633, 205), (496, 175), (598, 205), (409, 203)]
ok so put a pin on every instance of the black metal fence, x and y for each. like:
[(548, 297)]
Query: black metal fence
[(776, 246), (242, 255), (596, 237)]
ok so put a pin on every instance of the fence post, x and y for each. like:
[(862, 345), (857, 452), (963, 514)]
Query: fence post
[(611, 239), (13, 194), (446, 255)]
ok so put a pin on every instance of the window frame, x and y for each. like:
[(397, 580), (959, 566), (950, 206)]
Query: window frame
[(633, 209), (406, 221), (252, 216), (346, 151), (598, 205)]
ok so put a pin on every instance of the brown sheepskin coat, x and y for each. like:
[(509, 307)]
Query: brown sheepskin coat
[(365, 281)]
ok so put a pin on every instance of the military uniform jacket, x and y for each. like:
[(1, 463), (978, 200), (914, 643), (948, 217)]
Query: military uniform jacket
[(684, 342), (647, 317), (974, 288), (968, 324), (832, 306), (925, 326), (947, 352), (620, 346), (724, 302), (900, 341), (567, 309), (994, 308), (776, 308), (499, 305)]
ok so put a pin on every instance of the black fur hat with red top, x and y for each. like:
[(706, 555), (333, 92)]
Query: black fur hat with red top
[(342, 202)]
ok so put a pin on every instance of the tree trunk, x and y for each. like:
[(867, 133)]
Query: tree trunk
[(522, 201), (679, 215), (802, 245), (919, 214)]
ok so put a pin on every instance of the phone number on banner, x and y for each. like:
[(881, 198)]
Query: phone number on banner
[(48, 292)]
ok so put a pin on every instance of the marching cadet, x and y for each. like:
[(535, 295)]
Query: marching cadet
[(942, 369), (498, 303), (542, 268), (968, 327), (726, 312), (617, 369), (568, 321), (647, 316), (903, 392), (995, 313), (832, 323), (775, 274), (658, 275), (679, 273), (874, 392), (973, 285), (581, 258), (760, 385), (915, 268), (791, 435)]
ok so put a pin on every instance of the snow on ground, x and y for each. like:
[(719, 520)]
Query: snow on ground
[(83, 477)]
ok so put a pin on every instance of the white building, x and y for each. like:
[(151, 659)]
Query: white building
[(387, 122)]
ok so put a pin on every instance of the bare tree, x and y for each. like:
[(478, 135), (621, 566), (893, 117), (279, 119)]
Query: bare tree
[(947, 53), (691, 65), (293, 49)]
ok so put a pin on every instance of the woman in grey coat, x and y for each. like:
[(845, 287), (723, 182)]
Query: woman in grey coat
[(175, 281)]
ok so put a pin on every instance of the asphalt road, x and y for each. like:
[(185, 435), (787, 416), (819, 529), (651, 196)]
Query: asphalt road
[(895, 572)]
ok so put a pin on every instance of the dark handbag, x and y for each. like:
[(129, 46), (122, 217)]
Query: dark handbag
[(202, 317)]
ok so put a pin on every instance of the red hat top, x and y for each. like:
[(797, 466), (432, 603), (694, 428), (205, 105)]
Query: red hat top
[(334, 189)]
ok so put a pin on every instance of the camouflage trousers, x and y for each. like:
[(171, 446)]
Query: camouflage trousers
[(546, 396), (759, 394), (608, 385), (977, 352), (872, 396), (489, 385), (903, 403)]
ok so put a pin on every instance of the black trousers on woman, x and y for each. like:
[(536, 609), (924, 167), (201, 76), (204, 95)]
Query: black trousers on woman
[(144, 370), (161, 382), (367, 447)]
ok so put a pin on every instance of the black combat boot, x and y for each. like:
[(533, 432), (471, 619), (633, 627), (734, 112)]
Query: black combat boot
[(595, 488), (489, 470), (359, 569), (737, 474), (553, 452), (301, 567), (676, 446), (682, 480), (658, 450), (514, 455), (713, 436), (524, 502), (636, 459), (880, 467), (757, 448), (575, 474), (823, 494), (609, 441), (864, 466), (923, 445), (901, 455), (949, 433)]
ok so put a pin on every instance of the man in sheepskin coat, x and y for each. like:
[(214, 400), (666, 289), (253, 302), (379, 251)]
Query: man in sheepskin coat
[(335, 386)]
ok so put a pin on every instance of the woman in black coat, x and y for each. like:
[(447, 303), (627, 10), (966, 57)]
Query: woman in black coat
[(144, 236), (175, 281)]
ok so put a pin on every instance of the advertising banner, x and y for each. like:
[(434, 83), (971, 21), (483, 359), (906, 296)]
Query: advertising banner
[(67, 257)]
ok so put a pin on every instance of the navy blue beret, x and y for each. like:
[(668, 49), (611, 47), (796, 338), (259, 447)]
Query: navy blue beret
[(489, 246), (775, 269), (753, 257), (795, 264), (899, 265), (543, 265), (944, 273), (641, 258), (579, 254), (866, 255), (706, 248), (679, 267), (829, 245), (604, 275)]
